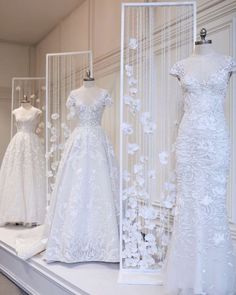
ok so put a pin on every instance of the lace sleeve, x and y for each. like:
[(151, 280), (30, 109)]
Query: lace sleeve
[(177, 70), (71, 104), (107, 99)]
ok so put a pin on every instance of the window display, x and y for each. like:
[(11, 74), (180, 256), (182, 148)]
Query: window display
[(201, 239), (72, 218), (22, 175)]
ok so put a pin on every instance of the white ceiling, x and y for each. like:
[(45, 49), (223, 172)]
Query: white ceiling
[(28, 21)]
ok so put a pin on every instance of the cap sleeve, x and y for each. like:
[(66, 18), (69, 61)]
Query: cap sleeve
[(71, 104), (107, 99), (231, 65), (177, 70), (38, 112)]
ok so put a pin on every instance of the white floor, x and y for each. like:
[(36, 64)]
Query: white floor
[(87, 278)]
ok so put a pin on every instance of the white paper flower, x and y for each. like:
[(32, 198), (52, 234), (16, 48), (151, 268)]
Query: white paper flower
[(143, 159), (132, 148), (127, 128), (127, 99), (138, 168), (144, 195), (49, 174), (168, 204), (148, 212), (131, 262), (152, 174), (149, 127), (32, 96), (126, 176), (140, 180), (53, 130), (54, 165), (55, 116), (163, 158), (49, 125), (135, 105), (132, 82), (133, 203), (131, 214), (18, 88), (53, 138), (133, 90), (150, 238), (129, 70), (133, 43)]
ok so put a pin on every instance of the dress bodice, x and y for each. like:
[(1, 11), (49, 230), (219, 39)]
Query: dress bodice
[(204, 96), (87, 105), (27, 119)]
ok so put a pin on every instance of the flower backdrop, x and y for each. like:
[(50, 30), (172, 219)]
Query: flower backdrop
[(150, 111)]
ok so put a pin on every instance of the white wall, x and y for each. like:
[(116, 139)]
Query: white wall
[(15, 61)]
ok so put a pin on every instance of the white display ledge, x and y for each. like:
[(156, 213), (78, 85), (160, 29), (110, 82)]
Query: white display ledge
[(37, 277)]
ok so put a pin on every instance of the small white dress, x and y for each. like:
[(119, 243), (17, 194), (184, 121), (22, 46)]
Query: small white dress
[(84, 209), (201, 258), (22, 174)]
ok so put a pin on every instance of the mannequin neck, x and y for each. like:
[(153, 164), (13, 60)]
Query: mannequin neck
[(203, 49), (89, 84), (26, 105)]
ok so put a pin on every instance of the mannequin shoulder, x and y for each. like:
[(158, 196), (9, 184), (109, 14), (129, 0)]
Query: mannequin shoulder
[(37, 111)]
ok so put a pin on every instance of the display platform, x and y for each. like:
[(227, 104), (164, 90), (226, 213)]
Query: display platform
[(37, 277)]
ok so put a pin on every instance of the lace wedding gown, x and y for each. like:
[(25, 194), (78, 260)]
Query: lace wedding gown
[(82, 223), (22, 174), (201, 259)]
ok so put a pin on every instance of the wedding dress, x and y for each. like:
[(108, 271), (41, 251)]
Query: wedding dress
[(82, 223), (201, 258), (22, 174)]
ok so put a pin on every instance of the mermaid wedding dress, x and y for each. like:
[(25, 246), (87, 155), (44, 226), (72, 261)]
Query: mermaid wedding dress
[(22, 175), (82, 223), (201, 257)]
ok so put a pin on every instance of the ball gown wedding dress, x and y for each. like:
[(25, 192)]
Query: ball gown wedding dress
[(82, 222), (201, 258), (22, 175)]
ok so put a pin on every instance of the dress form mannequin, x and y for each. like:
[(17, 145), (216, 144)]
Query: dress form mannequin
[(89, 80), (203, 47), (202, 166), (25, 103)]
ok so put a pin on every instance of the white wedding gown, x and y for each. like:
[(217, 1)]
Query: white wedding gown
[(201, 257), (22, 174), (82, 223)]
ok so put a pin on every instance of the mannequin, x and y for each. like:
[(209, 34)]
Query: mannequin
[(203, 47), (25, 103), (89, 81)]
